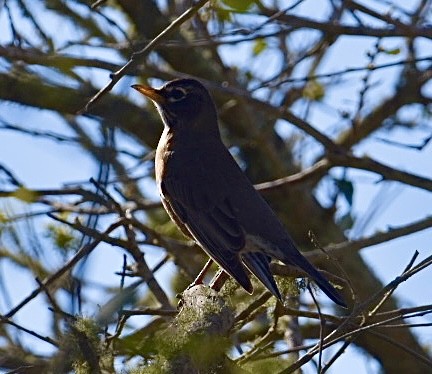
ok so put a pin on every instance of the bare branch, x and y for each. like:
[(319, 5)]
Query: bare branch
[(143, 53)]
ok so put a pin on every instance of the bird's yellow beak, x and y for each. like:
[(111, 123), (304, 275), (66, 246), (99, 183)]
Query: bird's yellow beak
[(151, 93)]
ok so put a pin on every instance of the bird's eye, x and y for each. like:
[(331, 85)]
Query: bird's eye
[(177, 94)]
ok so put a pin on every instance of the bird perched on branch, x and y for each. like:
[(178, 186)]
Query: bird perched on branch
[(208, 196)]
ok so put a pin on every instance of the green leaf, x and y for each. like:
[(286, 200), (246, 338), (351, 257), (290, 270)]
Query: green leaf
[(259, 46), (3, 218), (394, 51), (239, 5), (62, 236), (223, 15), (314, 91), (26, 195)]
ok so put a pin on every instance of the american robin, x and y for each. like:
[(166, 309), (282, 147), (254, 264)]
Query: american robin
[(208, 196)]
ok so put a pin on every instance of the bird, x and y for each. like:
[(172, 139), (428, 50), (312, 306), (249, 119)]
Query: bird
[(210, 198)]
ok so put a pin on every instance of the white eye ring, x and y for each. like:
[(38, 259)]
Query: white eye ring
[(176, 94)]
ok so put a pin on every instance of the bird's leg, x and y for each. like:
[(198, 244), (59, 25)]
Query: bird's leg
[(200, 277), (219, 280)]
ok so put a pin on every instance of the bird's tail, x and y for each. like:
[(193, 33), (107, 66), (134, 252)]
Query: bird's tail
[(319, 279)]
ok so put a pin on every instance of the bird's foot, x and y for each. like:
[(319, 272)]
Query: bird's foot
[(200, 277), (219, 280)]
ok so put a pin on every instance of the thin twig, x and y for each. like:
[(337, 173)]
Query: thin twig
[(321, 330), (82, 252), (47, 339), (138, 56)]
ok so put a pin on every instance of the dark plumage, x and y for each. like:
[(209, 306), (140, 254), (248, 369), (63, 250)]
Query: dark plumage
[(209, 197)]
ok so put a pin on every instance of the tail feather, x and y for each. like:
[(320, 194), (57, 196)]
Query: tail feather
[(258, 264), (319, 279)]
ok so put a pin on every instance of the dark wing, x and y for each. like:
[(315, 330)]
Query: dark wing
[(198, 195)]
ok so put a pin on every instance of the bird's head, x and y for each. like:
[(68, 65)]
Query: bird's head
[(184, 104)]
